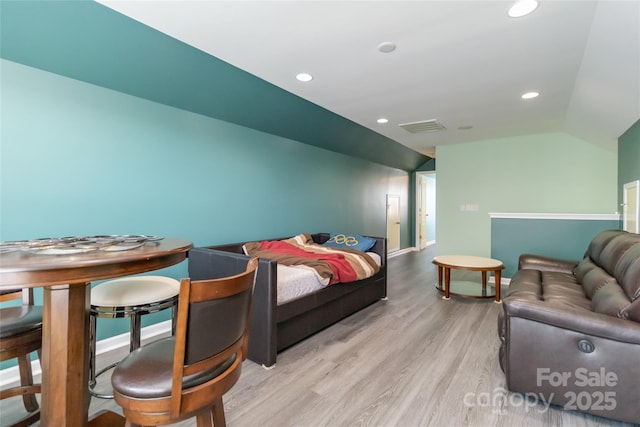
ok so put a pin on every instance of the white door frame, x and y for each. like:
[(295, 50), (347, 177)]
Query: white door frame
[(399, 224), (419, 195), (633, 186)]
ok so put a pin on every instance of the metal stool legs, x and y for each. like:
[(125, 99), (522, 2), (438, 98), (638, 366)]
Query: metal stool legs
[(134, 343)]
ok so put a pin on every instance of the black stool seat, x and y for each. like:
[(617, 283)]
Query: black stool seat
[(19, 320), (147, 372)]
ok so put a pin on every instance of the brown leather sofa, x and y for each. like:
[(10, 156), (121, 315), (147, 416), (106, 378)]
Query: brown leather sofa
[(570, 330)]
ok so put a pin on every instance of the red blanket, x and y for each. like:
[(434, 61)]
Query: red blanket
[(332, 265), (342, 270)]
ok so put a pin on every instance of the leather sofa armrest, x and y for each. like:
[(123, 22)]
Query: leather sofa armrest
[(574, 319), (542, 263)]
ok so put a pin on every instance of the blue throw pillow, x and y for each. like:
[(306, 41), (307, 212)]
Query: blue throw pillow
[(350, 241)]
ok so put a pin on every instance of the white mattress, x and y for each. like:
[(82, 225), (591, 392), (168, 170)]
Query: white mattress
[(294, 282)]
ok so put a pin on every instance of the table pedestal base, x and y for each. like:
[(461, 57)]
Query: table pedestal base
[(65, 359)]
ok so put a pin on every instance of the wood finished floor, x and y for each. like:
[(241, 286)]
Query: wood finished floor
[(408, 361)]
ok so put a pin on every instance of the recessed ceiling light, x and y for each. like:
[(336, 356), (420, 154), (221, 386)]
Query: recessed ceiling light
[(386, 47), (522, 8), (530, 95), (304, 77), (382, 120)]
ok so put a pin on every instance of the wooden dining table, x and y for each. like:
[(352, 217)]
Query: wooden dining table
[(66, 280)]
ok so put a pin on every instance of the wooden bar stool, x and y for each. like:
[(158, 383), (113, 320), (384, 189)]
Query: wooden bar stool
[(20, 335), (129, 297), (185, 376)]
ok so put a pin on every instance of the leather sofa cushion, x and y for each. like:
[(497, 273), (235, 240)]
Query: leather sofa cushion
[(610, 299), (628, 272), (555, 290), (561, 286), (565, 280), (591, 276), (563, 289), (632, 311), (558, 289)]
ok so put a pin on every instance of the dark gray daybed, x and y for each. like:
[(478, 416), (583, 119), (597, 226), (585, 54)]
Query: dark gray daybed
[(275, 327)]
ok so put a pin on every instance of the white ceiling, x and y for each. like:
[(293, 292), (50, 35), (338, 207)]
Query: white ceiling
[(464, 63)]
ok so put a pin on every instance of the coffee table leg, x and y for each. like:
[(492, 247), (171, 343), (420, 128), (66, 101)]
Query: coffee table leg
[(498, 277), (447, 282), (440, 277), (484, 283)]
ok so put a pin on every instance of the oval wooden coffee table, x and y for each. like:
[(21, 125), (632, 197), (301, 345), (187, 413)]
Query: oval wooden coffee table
[(472, 263)]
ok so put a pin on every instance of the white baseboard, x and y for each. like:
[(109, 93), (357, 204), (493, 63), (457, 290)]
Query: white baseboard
[(401, 252), (11, 375), (504, 281)]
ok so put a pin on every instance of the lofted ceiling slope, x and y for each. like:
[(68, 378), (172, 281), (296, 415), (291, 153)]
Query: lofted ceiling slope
[(463, 63), (87, 41)]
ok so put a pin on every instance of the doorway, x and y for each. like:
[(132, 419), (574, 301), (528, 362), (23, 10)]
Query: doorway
[(631, 207), (393, 222), (425, 209)]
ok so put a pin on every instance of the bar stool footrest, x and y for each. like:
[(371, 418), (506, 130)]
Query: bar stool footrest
[(92, 384)]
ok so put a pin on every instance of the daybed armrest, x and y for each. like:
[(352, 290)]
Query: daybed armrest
[(205, 263), (538, 262), (573, 319)]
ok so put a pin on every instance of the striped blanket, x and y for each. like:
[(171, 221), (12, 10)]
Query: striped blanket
[(332, 265)]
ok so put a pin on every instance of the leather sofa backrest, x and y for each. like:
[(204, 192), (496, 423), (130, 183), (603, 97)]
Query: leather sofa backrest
[(610, 274), (615, 250), (599, 242), (627, 271)]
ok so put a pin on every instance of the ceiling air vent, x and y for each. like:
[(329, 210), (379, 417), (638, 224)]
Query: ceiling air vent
[(423, 126)]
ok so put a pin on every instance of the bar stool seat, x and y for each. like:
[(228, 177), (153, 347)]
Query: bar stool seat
[(129, 297)]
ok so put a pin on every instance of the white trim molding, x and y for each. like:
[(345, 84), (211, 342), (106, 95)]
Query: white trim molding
[(504, 281), (401, 252), (573, 216)]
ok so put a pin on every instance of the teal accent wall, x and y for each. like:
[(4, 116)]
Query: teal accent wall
[(78, 159), (543, 173), (87, 41), (558, 238), (628, 158)]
